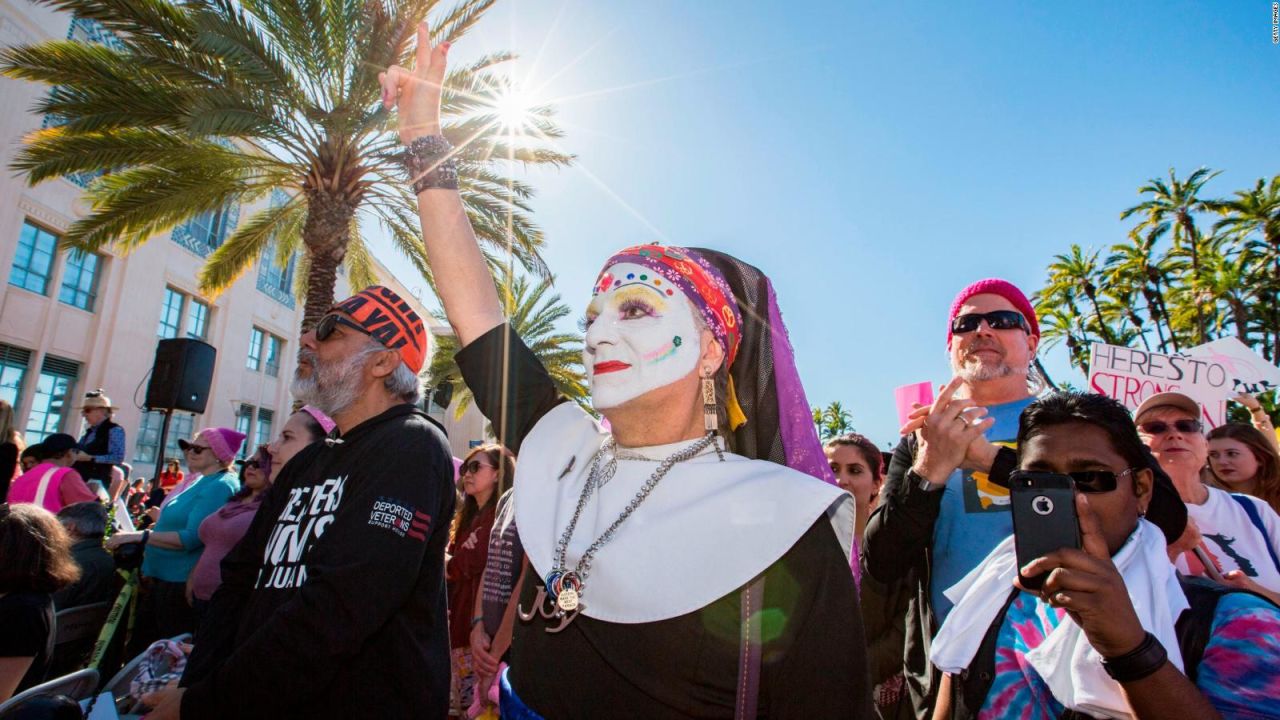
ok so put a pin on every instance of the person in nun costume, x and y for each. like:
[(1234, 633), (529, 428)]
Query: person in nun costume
[(694, 559)]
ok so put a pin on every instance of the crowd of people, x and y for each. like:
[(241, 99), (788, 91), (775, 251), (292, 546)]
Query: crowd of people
[(695, 554)]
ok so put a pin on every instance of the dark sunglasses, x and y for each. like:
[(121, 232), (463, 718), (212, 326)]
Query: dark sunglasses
[(996, 320), (191, 447), (329, 323), (1096, 481), (1160, 427), (473, 467)]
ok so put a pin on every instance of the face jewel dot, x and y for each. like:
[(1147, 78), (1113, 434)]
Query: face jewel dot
[(631, 276), (644, 277), (616, 283), (657, 281), (671, 292)]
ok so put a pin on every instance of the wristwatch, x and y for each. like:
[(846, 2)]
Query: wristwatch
[(923, 483)]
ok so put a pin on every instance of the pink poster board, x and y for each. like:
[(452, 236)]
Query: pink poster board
[(921, 392)]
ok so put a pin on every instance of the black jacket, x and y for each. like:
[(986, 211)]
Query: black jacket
[(897, 553), (333, 604), (98, 581)]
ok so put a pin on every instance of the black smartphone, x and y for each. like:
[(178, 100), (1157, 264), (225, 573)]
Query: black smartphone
[(1044, 518)]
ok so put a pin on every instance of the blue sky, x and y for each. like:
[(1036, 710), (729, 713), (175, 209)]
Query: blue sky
[(874, 158)]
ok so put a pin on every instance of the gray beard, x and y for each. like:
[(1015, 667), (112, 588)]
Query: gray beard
[(331, 387), (978, 371)]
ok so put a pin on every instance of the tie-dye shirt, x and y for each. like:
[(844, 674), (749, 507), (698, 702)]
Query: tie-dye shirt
[(1239, 674)]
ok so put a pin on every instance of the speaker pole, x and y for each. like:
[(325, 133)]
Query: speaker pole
[(164, 439)]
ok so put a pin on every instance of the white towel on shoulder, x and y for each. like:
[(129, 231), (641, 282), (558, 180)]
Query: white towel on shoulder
[(1065, 660)]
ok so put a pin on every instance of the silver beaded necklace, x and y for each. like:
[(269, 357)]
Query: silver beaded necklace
[(567, 586)]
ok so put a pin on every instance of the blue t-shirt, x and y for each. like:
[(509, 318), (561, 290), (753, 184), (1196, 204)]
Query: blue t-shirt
[(1239, 673), (975, 514), (183, 515)]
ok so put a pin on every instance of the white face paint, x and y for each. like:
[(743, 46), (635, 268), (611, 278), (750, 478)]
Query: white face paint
[(641, 335)]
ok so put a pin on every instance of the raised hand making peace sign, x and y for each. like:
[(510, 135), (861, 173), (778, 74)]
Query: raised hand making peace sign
[(415, 94)]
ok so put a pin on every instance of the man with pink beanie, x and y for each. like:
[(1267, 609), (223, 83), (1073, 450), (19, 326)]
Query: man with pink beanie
[(945, 504), (173, 545)]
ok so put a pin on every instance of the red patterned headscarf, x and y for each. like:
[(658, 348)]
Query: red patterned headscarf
[(690, 273)]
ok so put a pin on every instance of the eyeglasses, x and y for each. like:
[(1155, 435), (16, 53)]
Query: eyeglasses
[(252, 464), (473, 467), (1160, 427), (195, 449), (996, 320), (329, 323), (1097, 481)]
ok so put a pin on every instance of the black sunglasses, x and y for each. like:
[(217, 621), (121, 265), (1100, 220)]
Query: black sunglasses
[(996, 320), (329, 323), (1096, 481), (1160, 427), (473, 466), (195, 449)]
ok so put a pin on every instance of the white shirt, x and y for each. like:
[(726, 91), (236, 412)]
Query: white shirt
[(1233, 541)]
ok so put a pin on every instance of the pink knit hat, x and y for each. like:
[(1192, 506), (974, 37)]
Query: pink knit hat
[(995, 286), (224, 442)]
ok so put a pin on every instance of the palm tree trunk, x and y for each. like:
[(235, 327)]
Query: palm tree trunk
[(1240, 315), (1153, 309), (1164, 311), (325, 233), (1189, 227)]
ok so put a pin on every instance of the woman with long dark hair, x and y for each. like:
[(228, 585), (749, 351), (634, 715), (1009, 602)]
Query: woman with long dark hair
[(485, 474), (35, 562)]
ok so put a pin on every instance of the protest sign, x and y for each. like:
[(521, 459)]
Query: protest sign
[(1132, 375), (1246, 370)]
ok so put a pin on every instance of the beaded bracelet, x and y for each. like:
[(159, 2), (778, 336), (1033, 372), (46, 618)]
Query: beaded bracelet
[(1143, 661), (429, 164)]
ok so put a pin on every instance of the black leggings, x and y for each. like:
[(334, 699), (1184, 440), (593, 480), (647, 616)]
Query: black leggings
[(163, 613)]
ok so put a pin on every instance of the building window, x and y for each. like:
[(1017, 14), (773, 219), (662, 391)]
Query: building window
[(171, 313), (80, 280), (53, 391), (180, 428), (197, 320), (13, 370), (206, 232), (210, 228), (276, 280), (33, 262), (274, 350), (244, 425), (254, 361), (264, 428)]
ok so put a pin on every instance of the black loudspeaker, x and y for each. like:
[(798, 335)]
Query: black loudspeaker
[(181, 375)]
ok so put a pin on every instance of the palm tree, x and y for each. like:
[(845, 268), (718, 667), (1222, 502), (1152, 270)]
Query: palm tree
[(832, 421), (205, 104), (1257, 211), (1061, 323), (1075, 271), (1134, 264), (1229, 276), (532, 311), (1172, 205)]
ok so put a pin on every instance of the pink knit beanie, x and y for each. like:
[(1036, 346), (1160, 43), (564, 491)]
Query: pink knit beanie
[(995, 286), (224, 442)]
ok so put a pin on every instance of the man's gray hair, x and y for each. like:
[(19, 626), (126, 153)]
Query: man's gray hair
[(401, 383), (84, 519)]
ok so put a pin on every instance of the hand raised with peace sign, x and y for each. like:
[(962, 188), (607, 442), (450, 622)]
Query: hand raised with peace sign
[(415, 94)]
